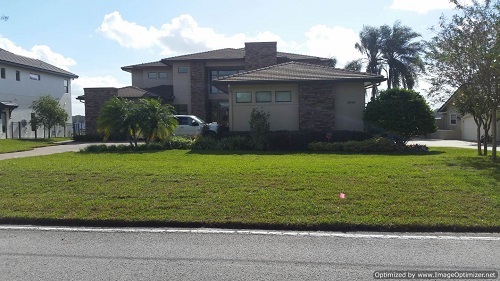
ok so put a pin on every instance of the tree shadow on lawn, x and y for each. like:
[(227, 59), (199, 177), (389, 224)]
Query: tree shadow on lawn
[(479, 163), (285, 152)]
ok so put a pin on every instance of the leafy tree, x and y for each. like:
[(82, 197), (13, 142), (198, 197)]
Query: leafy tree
[(465, 51), (120, 116), (404, 114), (156, 120), (48, 113), (401, 55)]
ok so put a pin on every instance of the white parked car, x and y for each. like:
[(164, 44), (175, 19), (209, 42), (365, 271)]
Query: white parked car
[(192, 125)]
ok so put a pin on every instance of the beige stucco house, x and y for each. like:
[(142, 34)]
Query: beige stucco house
[(306, 95), (299, 96)]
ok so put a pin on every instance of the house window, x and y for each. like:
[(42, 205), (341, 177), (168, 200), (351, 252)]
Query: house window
[(263, 96), (152, 75), (283, 96), (35, 76), (214, 74), (183, 69), (66, 88), (18, 75), (162, 75), (3, 73), (181, 108), (453, 119), (243, 97)]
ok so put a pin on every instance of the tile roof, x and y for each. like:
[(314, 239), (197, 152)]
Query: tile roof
[(230, 53), (134, 92), (144, 65), (13, 59), (297, 72)]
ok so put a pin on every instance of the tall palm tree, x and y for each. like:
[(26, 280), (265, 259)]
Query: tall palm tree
[(157, 119), (370, 45), (401, 55)]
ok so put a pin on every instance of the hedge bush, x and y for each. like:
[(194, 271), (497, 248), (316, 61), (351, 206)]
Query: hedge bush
[(370, 145)]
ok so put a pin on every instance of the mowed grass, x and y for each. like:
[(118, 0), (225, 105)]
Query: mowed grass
[(448, 189), (13, 145)]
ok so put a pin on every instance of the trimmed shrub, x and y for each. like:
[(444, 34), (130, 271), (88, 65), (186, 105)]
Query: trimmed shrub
[(259, 128), (178, 142), (371, 145)]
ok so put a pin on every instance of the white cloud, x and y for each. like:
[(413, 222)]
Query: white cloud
[(338, 42), (183, 35), (41, 52), (424, 6), (82, 82)]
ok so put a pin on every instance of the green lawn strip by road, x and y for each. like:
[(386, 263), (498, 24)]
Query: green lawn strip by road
[(449, 189), (10, 145)]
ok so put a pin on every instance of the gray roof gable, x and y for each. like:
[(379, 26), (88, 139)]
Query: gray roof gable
[(299, 72), (36, 64)]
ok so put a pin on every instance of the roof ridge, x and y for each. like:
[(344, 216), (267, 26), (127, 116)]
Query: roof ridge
[(36, 63), (198, 53)]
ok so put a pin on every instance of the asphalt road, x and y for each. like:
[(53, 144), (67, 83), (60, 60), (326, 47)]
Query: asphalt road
[(173, 254)]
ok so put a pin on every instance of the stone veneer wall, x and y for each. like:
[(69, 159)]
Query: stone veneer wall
[(316, 107), (199, 90), (94, 100), (260, 54)]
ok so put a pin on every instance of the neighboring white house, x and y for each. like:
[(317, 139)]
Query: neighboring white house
[(453, 126), (22, 81)]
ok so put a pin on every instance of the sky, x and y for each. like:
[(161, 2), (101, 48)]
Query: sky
[(94, 39)]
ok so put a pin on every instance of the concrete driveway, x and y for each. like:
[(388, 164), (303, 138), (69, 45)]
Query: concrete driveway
[(445, 143), (63, 147)]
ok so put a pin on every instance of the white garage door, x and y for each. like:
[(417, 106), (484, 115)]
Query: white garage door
[(469, 129)]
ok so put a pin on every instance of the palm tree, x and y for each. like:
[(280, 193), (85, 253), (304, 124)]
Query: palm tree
[(157, 121), (401, 55), (354, 65), (119, 116), (370, 45)]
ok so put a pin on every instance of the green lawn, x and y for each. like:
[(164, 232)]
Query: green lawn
[(448, 189), (10, 145)]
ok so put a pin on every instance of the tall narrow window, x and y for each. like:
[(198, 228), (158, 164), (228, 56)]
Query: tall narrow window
[(18, 75), (453, 119), (66, 89), (3, 73)]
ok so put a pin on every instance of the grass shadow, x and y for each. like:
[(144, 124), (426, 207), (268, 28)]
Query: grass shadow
[(285, 152)]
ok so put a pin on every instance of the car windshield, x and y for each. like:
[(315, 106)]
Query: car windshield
[(197, 119)]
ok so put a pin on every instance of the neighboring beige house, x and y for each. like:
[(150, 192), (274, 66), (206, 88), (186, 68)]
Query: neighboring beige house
[(316, 97), (22, 81), (453, 126)]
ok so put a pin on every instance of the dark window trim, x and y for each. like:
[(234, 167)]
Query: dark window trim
[(18, 75), (3, 73)]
